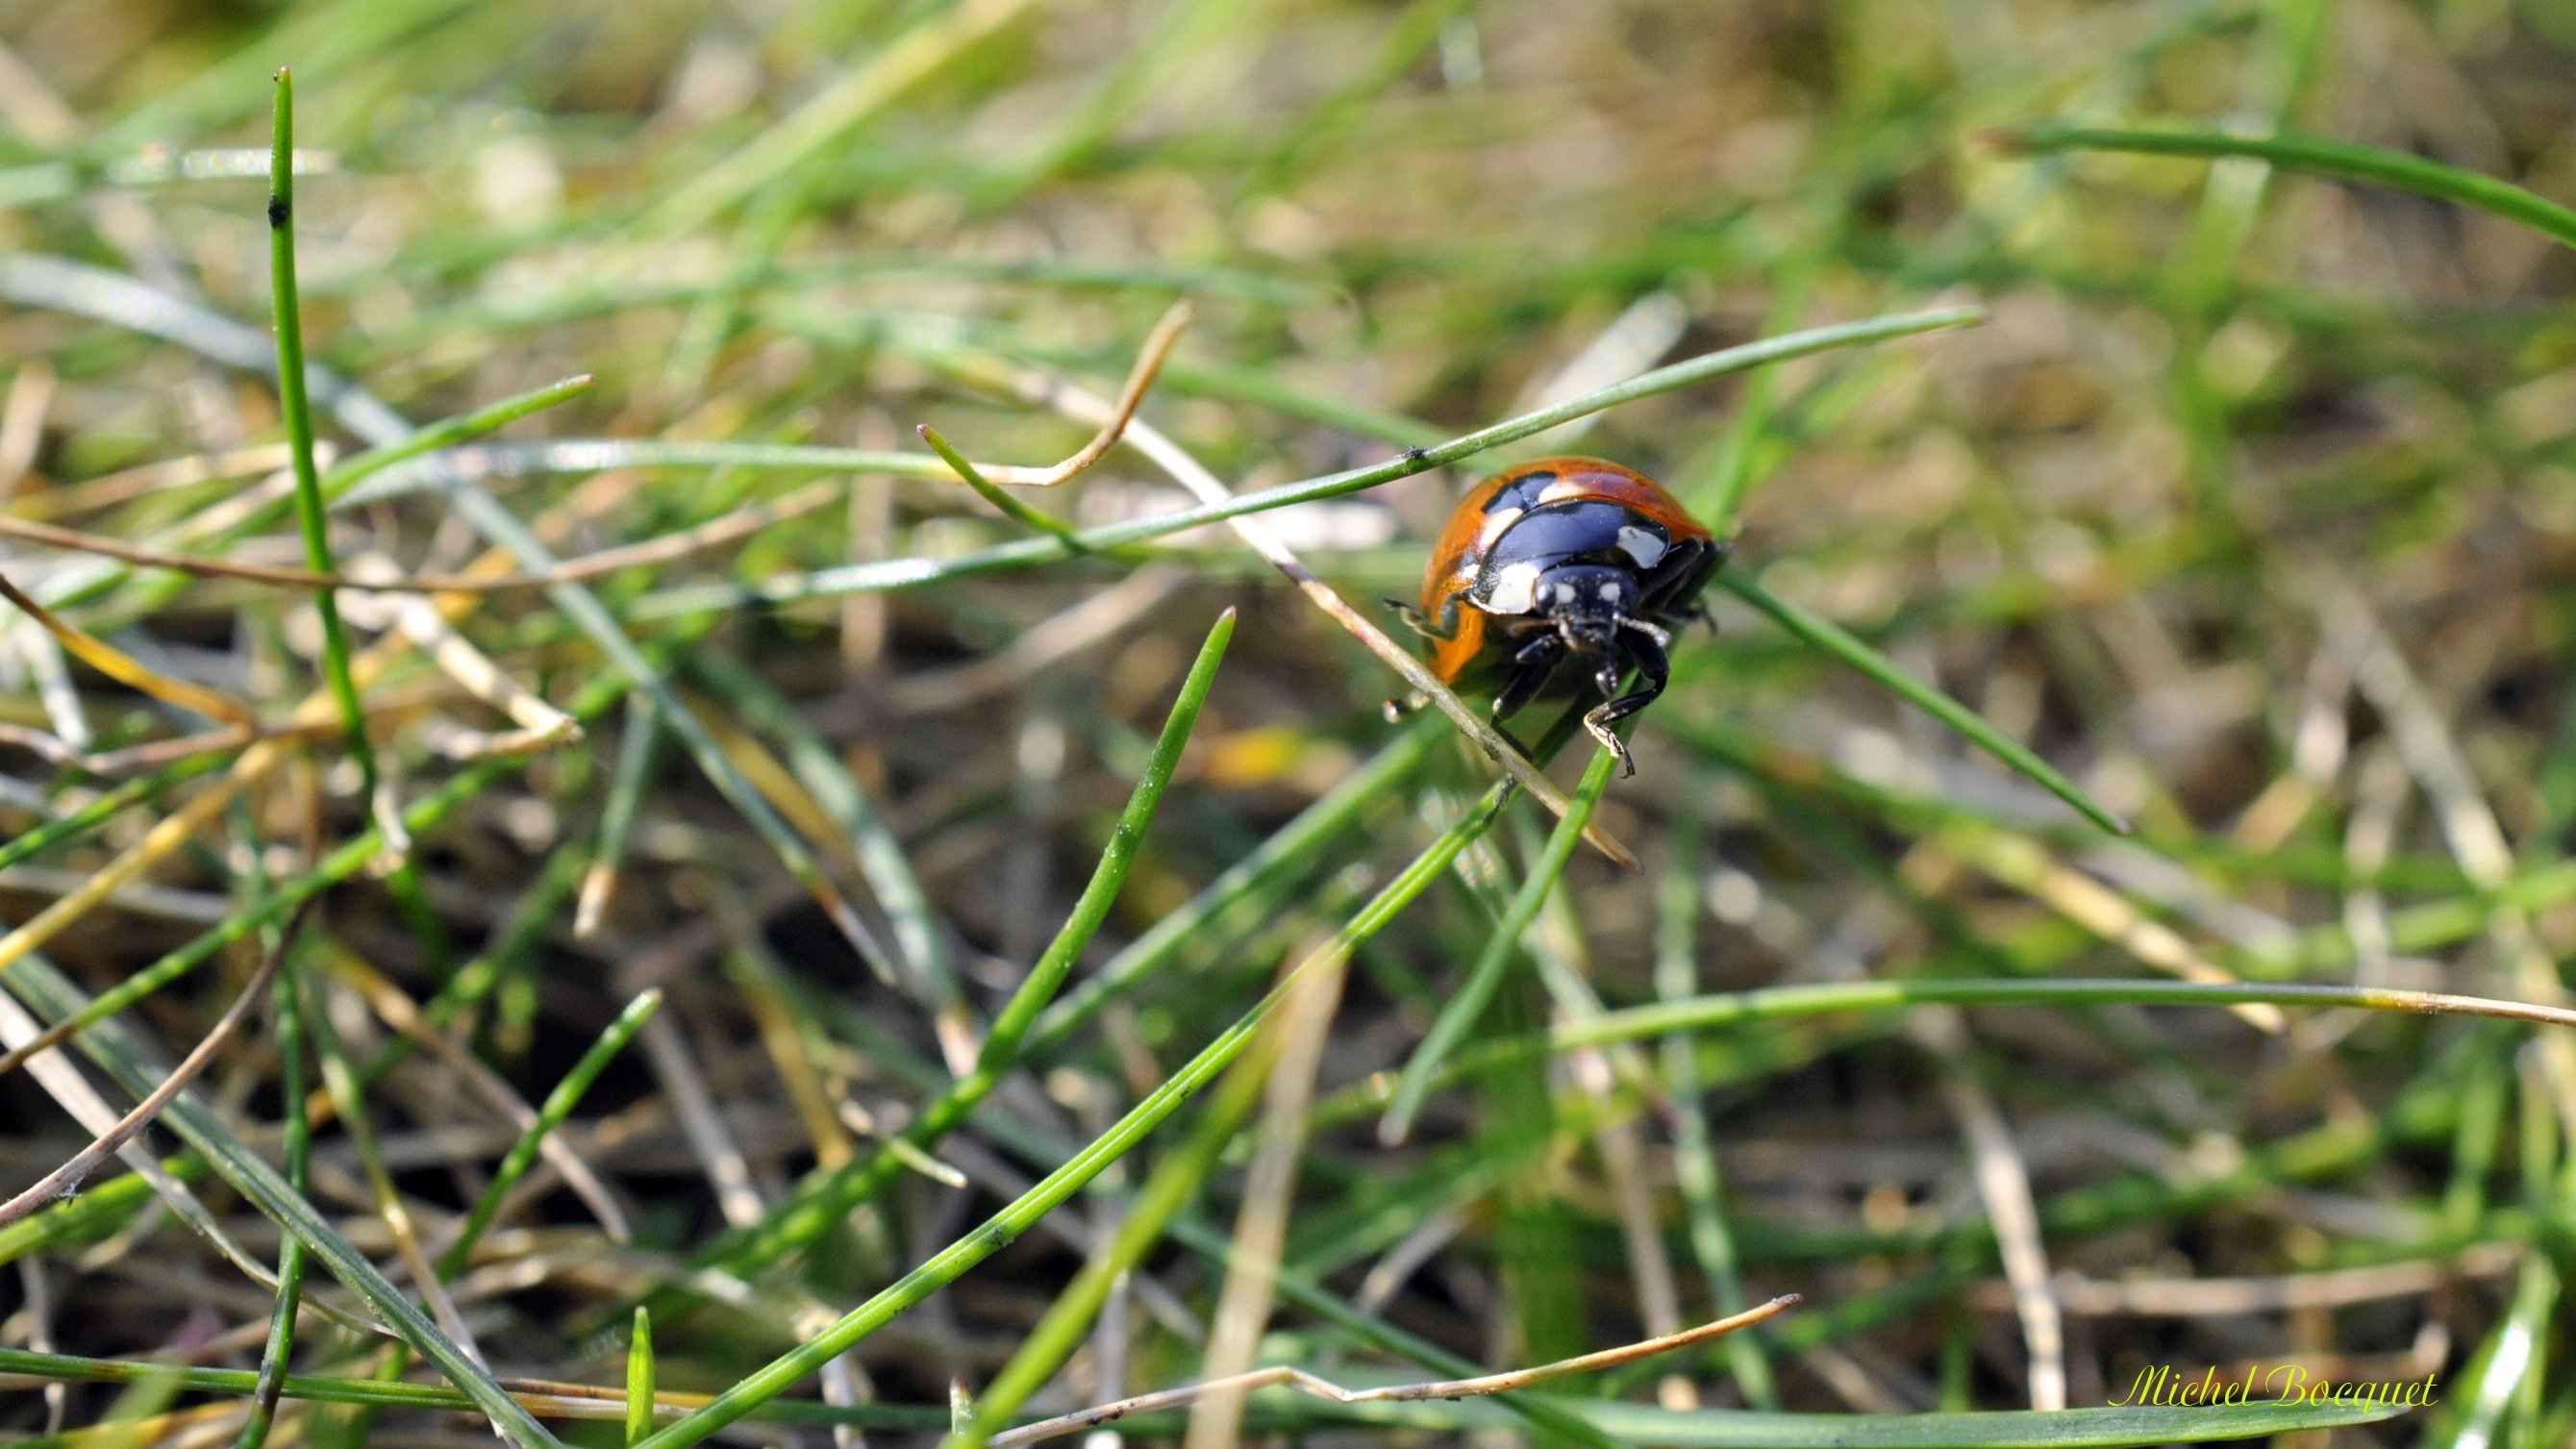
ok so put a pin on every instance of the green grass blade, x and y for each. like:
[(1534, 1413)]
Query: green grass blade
[(2484, 1396), (98, 812), (1458, 1015), (1020, 1013), (1052, 1191), (824, 1201), (559, 1105), (298, 410), (1777, 1003), (639, 1379), (291, 1252), (1835, 640), (52, 994), (2311, 154), (448, 432), (995, 494), (1268, 867), (1022, 553), (1695, 1167)]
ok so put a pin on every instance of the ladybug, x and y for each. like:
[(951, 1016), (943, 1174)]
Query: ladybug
[(1562, 574)]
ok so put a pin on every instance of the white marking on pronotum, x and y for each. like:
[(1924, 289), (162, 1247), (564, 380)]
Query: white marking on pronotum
[(1515, 590), (1641, 545)]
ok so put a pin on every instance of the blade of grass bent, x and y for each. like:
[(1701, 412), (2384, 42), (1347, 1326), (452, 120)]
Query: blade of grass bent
[(1833, 639), (2311, 154)]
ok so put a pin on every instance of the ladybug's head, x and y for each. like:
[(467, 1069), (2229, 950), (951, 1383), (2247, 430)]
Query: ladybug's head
[(1589, 603)]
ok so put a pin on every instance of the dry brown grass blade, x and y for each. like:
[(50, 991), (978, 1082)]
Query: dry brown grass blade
[(540, 725), (1261, 1224), (116, 664), (169, 475), (68, 1177), (1111, 422), (2003, 1183), (2024, 864), (669, 548), (1321, 1388)]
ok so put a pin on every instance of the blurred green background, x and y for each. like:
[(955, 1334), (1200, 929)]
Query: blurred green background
[(2251, 506)]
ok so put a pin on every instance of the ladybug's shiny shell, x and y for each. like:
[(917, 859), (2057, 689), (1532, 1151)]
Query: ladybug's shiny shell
[(1560, 573)]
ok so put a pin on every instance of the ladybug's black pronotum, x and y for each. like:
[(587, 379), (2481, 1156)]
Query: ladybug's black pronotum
[(1559, 576)]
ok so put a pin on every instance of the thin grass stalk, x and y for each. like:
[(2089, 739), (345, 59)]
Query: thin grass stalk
[(106, 807), (1057, 1187), (559, 1106), (2314, 155), (291, 1252), (1021, 553), (1459, 1013), (822, 1203), (1834, 640), (1695, 1167), (298, 410)]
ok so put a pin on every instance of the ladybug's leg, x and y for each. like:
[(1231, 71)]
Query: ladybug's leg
[(1653, 671), (1527, 674), (1679, 577), (1442, 628)]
